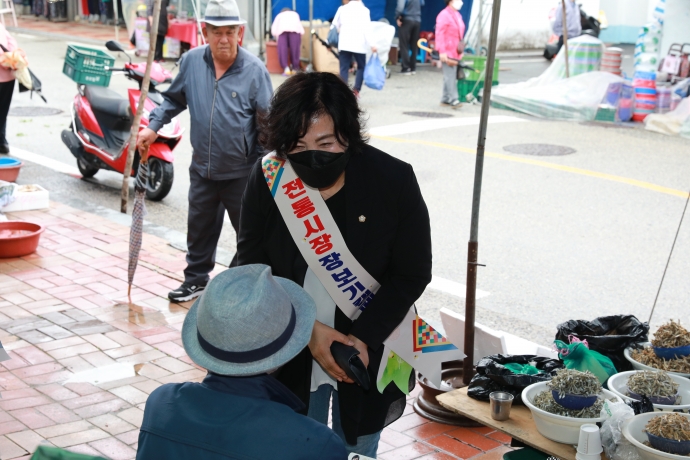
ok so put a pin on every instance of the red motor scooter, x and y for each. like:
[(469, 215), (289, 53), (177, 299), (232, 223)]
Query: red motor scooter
[(102, 120)]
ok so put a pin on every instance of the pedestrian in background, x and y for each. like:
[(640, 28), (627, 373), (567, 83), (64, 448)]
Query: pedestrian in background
[(288, 30), (573, 21), (224, 87), (162, 26), (408, 14), (6, 87), (353, 22), (450, 31)]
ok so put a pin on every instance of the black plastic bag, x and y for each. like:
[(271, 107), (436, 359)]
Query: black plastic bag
[(609, 335), (492, 375)]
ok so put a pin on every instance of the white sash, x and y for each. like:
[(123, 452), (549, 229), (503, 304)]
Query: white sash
[(318, 238)]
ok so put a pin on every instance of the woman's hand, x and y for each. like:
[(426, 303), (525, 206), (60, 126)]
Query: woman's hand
[(373, 49), (443, 57), (322, 337), (362, 348)]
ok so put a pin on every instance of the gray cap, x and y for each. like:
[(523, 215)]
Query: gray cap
[(248, 322), (223, 13)]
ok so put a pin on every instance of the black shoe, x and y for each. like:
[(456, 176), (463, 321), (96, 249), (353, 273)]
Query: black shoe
[(406, 72), (4, 148), (186, 292)]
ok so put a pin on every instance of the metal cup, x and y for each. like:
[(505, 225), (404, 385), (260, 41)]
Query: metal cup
[(500, 402)]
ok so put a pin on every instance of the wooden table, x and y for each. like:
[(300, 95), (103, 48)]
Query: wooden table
[(520, 426)]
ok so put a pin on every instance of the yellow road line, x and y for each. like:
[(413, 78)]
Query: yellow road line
[(543, 164)]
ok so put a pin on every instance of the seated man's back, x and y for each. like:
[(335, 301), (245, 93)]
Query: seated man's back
[(232, 417)]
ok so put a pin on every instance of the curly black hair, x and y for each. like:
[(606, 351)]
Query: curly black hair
[(302, 98)]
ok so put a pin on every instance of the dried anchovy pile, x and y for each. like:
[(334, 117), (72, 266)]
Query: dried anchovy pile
[(545, 402), (671, 335), (652, 383), (647, 357), (575, 382), (670, 426)]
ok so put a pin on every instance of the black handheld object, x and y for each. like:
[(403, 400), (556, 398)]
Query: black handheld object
[(348, 359)]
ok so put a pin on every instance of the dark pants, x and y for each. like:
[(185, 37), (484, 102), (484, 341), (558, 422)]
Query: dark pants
[(208, 201), (93, 7), (6, 90), (289, 48), (408, 36), (158, 55), (345, 62)]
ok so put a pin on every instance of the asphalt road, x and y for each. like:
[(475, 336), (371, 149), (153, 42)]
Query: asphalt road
[(563, 237)]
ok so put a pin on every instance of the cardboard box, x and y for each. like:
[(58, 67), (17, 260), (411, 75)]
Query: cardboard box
[(323, 59), (27, 201)]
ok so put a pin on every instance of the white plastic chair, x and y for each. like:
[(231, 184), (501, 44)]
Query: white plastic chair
[(7, 7)]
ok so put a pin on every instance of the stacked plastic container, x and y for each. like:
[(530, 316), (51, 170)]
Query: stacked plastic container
[(645, 94), (663, 99), (612, 60), (626, 102)]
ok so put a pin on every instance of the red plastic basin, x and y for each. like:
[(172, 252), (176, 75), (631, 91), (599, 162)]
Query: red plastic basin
[(10, 172), (18, 238)]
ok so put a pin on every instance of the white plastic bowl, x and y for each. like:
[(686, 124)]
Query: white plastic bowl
[(557, 428), (618, 384), (633, 430), (642, 367)]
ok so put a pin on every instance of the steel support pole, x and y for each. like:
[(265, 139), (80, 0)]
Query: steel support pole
[(310, 67), (565, 38), (473, 245)]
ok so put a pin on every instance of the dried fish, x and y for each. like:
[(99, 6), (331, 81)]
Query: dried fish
[(652, 383), (647, 357), (571, 381), (671, 335), (545, 402), (670, 426)]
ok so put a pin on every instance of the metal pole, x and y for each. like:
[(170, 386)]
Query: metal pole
[(294, 5), (565, 38), (480, 29), (310, 67), (140, 108), (472, 247), (116, 13)]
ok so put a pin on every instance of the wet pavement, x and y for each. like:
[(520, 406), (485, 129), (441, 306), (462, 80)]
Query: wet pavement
[(85, 356)]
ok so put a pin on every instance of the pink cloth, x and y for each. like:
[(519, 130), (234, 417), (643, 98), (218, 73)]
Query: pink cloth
[(287, 21), (450, 29), (10, 43), (184, 31)]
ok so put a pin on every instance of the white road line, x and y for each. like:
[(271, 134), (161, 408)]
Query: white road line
[(45, 161), (523, 61), (419, 126), (453, 288)]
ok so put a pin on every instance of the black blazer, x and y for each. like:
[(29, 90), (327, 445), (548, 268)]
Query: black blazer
[(393, 244)]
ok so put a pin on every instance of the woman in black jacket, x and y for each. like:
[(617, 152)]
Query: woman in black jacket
[(315, 123)]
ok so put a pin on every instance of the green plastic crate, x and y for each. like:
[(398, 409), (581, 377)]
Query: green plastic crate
[(526, 453), (478, 63), (465, 87), (87, 65)]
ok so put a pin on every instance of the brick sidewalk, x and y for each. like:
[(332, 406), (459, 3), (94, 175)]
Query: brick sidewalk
[(64, 311)]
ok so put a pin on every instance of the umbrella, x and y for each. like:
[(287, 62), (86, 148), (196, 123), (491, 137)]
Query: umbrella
[(473, 245), (138, 214)]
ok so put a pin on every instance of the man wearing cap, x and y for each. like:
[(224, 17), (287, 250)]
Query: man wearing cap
[(246, 325), (224, 86)]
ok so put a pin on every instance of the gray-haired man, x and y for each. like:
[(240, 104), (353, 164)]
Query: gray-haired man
[(224, 87)]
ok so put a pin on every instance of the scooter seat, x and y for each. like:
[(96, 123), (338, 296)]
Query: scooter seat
[(107, 101)]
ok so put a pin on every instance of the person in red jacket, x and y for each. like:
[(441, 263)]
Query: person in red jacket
[(450, 31)]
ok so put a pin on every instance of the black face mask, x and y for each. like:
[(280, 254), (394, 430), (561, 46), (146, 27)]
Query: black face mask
[(317, 168)]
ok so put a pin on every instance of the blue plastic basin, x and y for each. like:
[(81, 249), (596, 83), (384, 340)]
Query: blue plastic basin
[(9, 163), (669, 446), (672, 353), (574, 402)]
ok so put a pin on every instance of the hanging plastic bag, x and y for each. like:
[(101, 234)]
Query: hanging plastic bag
[(374, 74), (511, 373), (608, 335), (579, 357)]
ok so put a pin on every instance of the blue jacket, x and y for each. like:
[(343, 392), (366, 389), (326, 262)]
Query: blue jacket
[(232, 418), (222, 112)]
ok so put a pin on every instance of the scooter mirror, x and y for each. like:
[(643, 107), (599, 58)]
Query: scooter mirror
[(114, 46)]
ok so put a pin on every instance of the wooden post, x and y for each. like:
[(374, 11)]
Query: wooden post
[(140, 107), (565, 38)]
